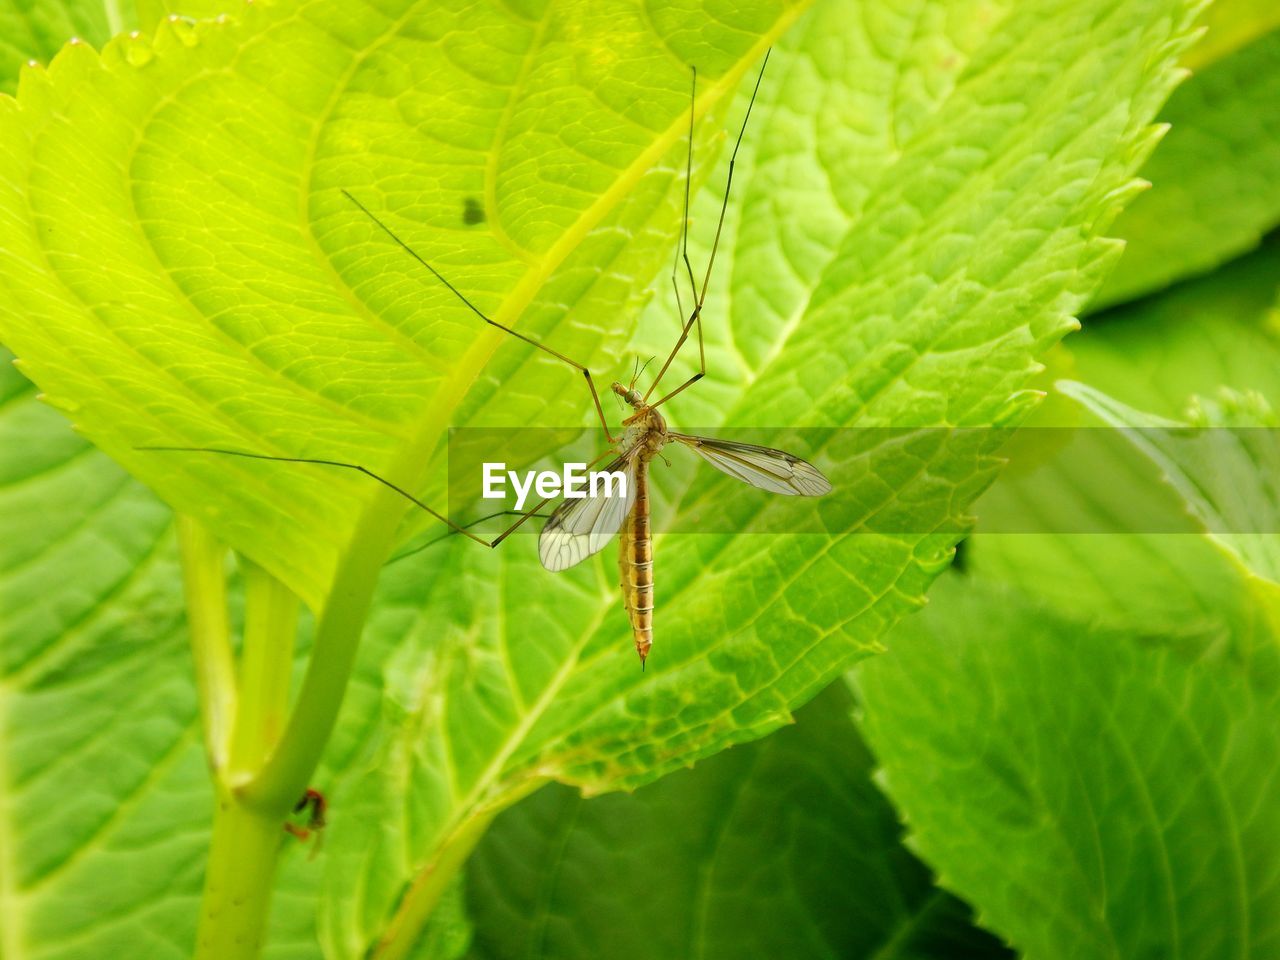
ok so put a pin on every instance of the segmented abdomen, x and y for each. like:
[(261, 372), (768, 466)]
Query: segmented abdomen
[(635, 564)]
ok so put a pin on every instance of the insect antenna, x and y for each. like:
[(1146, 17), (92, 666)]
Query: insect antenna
[(695, 316), (640, 369)]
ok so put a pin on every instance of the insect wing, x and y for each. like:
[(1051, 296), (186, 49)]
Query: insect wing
[(583, 526), (763, 467)]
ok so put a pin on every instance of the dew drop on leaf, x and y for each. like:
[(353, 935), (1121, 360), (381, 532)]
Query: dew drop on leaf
[(184, 29), (138, 50)]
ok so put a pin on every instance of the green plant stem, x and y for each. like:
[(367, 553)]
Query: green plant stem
[(205, 588), (266, 667), (252, 807), (242, 723), (238, 880), (288, 770)]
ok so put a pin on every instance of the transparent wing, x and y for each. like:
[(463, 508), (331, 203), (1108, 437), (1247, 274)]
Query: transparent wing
[(763, 467), (580, 527)]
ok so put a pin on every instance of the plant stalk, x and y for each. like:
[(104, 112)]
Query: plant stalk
[(285, 775), (243, 718), (266, 667), (238, 881), (205, 587)]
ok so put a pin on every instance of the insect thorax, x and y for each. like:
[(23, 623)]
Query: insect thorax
[(645, 428)]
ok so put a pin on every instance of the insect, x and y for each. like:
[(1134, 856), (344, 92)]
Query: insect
[(581, 527), (313, 803)]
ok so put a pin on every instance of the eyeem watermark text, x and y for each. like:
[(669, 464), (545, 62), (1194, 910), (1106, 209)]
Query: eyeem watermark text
[(575, 482)]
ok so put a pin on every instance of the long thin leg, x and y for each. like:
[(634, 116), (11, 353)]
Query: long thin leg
[(456, 527), (682, 246), (595, 396), (533, 511), (445, 536), (684, 386), (696, 315)]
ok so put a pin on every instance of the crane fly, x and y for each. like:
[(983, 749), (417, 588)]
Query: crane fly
[(581, 527)]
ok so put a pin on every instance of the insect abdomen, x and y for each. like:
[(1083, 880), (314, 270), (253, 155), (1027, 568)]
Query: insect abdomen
[(635, 563)]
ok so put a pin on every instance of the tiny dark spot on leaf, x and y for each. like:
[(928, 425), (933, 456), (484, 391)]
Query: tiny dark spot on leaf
[(472, 212)]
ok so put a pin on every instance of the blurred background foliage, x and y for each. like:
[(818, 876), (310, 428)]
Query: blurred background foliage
[(1070, 753)]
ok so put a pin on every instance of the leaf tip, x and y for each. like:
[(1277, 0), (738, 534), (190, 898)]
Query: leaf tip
[(1019, 404)]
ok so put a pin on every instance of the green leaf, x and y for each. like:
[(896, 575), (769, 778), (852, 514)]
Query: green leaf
[(1194, 339), (151, 12), (1230, 25), (36, 31), (778, 848), (1214, 339), (103, 790), (1225, 467), (102, 774), (1092, 794), (919, 301), (246, 303), (104, 786), (1152, 354), (243, 300), (1080, 543), (1090, 526), (1214, 193), (296, 347)]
